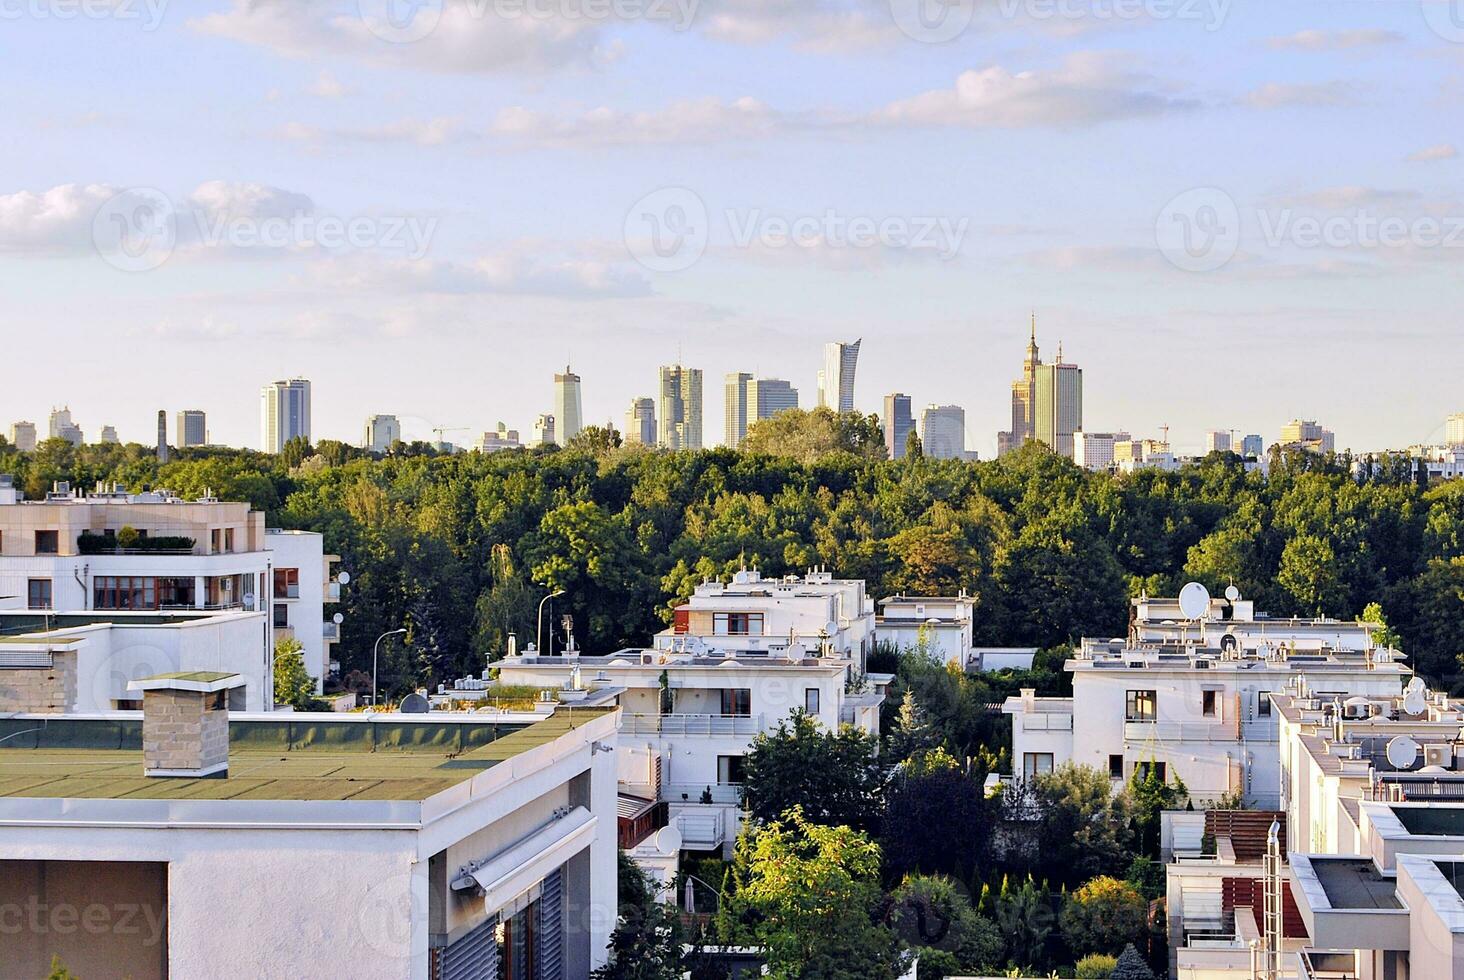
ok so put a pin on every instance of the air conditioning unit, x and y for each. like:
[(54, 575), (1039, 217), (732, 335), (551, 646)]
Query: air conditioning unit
[(1441, 755)]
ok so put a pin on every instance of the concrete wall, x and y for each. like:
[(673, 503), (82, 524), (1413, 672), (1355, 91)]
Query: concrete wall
[(50, 690), (303, 551)]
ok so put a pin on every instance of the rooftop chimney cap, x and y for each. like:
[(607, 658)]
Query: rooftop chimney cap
[(197, 681)]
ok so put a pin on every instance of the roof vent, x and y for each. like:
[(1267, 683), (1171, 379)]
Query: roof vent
[(185, 722)]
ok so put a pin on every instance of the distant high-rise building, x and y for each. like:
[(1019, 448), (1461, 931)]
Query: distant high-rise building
[(735, 426), (1217, 441), (767, 397), (162, 447), (1454, 430), (1024, 401), (1253, 446), (679, 417), (1308, 435), (836, 380), (284, 413), (568, 413), (544, 430), (1095, 450), (499, 440), (943, 432), (109, 435), (898, 424), (640, 422), (23, 436), (61, 426), (1058, 400), (192, 428), (381, 432)]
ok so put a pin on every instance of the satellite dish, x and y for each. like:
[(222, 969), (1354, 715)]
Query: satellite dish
[(1413, 700), (415, 704), (668, 839), (1232, 593), (1194, 601), (344, 578), (1402, 752), (338, 619)]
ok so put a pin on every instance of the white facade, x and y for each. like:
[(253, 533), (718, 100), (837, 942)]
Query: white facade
[(284, 413), (544, 431), (942, 624), (640, 422), (62, 427), (943, 432), (378, 877), (381, 432), (679, 414), (836, 378), (23, 436), (568, 411), (1308, 435), (1094, 450), (303, 588), (499, 440)]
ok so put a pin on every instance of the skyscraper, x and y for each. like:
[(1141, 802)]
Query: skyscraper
[(1253, 446), (735, 427), (61, 426), (1058, 405), (23, 436), (381, 432), (640, 422), (898, 423), (679, 418), (767, 397), (836, 380), (284, 413), (1217, 441), (1454, 430), (568, 416), (109, 436), (192, 428), (544, 430), (943, 432)]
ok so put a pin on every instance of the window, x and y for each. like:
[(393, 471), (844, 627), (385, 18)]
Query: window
[(48, 542), (38, 593), (1115, 767), (1036, 763), (1208, 703), (730, 768), (810, 700), (1263, 704), (737, 701), (228, 539), (128, 592), (737, 624), (287, 583), (1140, 706), (1161, 770), (281, 616), (213, 540)]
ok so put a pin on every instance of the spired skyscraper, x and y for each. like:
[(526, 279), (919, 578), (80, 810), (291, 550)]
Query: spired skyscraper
[(680, 417), (284, 413), (836, 380), (1047, 403), (568, 413)]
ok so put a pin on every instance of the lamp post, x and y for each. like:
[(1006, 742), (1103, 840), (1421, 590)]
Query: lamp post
[(539, 629), (375, 648)]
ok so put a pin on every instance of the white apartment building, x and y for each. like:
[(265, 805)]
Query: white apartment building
[(941, 624), (382, 847), (61, 426), (753, 615), (1193, 697), (155, 552), (690, 717), (381, 432), (284, 413), (1094, 450)]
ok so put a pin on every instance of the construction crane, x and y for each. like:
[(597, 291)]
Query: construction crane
[(440, 430)]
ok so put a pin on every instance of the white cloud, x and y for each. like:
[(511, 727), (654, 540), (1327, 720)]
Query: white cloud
[(1443, 151), (522, 269), (55, 220), (1319, 40), (417, 132), (327, 86), (1277, 95), (1087, 89), (705, 120)]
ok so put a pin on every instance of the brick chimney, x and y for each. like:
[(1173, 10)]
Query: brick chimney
[(185, 723)]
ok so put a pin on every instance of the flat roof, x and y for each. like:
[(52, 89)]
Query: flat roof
[(1431, 821), (299, 758), (1355, 883)]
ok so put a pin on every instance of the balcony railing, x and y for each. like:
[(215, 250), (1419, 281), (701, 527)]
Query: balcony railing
[(738, 726), (702, 828), (1047, 721), (1178, 731), (723, 794)]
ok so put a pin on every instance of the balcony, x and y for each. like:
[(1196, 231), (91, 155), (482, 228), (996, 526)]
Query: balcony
[(330, 632), (638, 820), (1178, 731), (726, 726), (1047, 721), (723, 794), (703, 828)]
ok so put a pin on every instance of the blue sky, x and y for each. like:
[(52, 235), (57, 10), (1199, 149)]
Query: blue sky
[(1051, 156)]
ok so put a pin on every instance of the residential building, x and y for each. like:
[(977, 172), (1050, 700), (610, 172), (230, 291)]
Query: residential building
[(679, 414), (222, 844), (939, 625), (1024, 400), (1192, 696), (67, 663), (767, 397), (899, 422), (735, 410), (192, 428), (568, 412), (1096, 450), (284, 413), (691, 714), (1253, 447), (155, 552), (640, 422), (544, 434), (499, 440), (943, 432), (1217, 441), (1058, 404), (382, 432), (836, 378), (1306, 434), (109, 436), (23, 436), (62, 427), (1454, 430)]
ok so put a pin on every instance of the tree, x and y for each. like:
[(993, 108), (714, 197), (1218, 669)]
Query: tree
[(912, 733), (293, 684), (914, 448), (832, 777), (928, 796), (810, 893), (646, 942), (1095, 966), (596, 440), (929, 913), (59, 971), (809, 436), (1103, 915), (1149, 794), (1309, 574), (1083, 825), (1384, 635), (1131, 966), (1025, 920)]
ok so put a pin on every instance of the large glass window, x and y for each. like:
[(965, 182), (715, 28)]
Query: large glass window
[(281, 616), (1036, 763), (1141, 706), (737, 624), (127, 592), (38, 593), (47, 542), (730, 768), (737, 701), (287, 583)]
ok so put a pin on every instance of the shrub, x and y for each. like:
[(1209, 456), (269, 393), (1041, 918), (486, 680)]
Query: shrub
[(1131, 966), (1103, 915), (1096, 966)]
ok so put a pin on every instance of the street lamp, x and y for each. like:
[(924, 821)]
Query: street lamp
[(374, 648), (539, 630)]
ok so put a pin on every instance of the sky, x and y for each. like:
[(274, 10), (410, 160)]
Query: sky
[(1230, 213)]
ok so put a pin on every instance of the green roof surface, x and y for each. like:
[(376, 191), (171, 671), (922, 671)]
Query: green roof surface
[(285, 760), (196, 676)]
